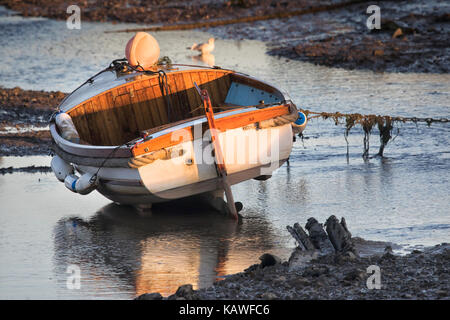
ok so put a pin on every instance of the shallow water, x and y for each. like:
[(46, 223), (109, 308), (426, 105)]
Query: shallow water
[(44, 228)]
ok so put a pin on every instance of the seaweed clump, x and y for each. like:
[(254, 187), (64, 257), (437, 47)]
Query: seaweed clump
[(385, 126)]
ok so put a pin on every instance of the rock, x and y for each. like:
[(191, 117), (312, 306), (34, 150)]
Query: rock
[(397, 33), (442, 293), (268, 259), (300, 282), (378, 52), (186, 291), (355, 275), (346, 257), (280, 279), (350, 256), (316, 271), (388, 253), (149, 296), (269, 296)]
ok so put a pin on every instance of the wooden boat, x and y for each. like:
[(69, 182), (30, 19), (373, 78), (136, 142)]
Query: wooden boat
[(140, 138)]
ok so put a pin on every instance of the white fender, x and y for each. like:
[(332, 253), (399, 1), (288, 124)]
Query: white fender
[(66, 127), (61, 168), (82, 185)]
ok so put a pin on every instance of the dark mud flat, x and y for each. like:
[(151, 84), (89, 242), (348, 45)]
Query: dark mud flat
[(158, 11), (24, 116), (418, 275), (414, 37)]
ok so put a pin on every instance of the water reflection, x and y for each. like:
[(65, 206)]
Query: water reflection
[(207, 58), (174, 246)]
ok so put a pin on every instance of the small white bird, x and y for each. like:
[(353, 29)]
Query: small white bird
[(204, 48)]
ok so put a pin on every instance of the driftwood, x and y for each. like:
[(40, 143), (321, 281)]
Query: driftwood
[(318, 236), (339, 235), (300, 235), (334, 239)]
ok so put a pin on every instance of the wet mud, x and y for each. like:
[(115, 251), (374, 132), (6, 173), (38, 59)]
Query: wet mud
[(24, 116)]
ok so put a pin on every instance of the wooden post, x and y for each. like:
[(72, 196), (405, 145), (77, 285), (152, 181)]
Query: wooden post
[(220, 160)]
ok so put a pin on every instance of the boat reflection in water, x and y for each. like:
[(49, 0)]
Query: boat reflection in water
[(116, 249)]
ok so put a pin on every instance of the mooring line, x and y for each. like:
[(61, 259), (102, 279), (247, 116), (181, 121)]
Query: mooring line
[(385, 125)]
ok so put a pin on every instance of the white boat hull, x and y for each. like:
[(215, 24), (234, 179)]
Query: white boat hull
[(248, 154)]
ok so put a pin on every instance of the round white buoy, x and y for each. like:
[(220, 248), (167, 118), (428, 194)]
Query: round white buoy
[(142, 50)]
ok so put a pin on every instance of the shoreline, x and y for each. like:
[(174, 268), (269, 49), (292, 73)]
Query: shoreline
[(417, 275), (412, 37)]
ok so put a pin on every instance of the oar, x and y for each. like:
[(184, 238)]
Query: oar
[(220, 161)]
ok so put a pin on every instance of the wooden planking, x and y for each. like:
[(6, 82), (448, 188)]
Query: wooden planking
[(223, 86), (121, 115), (121, 125), (182, 95), (80, 123), (215, 93), (155, 92), (152, 105), (193, 96), (143, 104), (97, 121), (137, 109), (205, 84), (115, 117), (175, 99), (195, 77), (123, 99), (89, 115), (111, 123), (227, 82)]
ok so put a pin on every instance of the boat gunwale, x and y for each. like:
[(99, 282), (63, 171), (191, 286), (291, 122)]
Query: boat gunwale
[(125, 150)]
